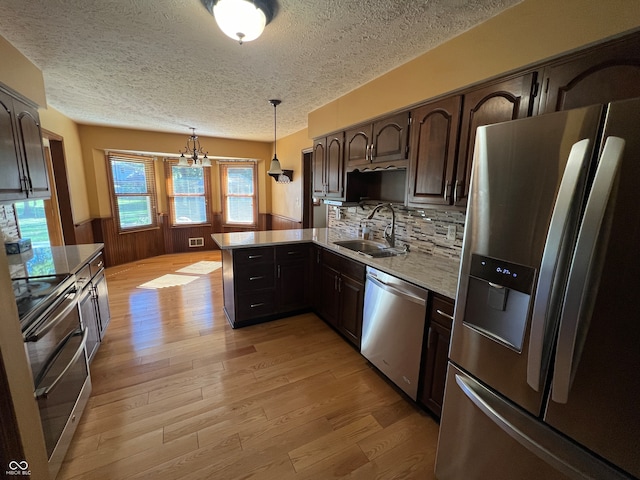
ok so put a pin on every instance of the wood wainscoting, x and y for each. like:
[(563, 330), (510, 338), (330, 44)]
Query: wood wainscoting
[(279, 222), (130, 247)]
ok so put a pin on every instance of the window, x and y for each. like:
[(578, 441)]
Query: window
[(188, 190), (133, 187), (239, 197)]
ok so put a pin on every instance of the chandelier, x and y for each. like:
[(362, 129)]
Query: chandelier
[(194, 150), (242, 20)]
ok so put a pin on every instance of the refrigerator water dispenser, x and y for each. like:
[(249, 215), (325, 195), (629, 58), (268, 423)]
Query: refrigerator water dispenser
[(498, 299)]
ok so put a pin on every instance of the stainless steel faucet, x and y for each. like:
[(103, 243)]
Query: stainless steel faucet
[(389, 237)]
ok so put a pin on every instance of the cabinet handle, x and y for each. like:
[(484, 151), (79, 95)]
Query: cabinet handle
[(278, 271), (254, 305), (446, 191), (256, 278), (100, 264), (372, 152), (429, 335), (366, 153), (292, 253), (340, 285), (318, 257), (455, 192), (445, 315), (251, 257), (335, 282)]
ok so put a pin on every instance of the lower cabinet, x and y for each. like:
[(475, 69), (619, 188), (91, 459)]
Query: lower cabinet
[(94, 302), (342, 295), (262, 283), (435, 353)]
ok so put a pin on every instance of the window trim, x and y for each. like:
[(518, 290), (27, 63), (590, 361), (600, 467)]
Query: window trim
[(149, 165), (224, 168), (169, 163)]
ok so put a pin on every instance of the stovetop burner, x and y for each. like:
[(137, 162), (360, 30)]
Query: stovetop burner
[(32, 293)]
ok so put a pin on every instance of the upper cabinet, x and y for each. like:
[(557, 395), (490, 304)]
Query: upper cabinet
[(603, 74), (328, 167), (494, 103), (22, 161), (382, 143), (434, 139)]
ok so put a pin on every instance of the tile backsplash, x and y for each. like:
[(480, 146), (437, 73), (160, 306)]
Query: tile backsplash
[(425, 230)]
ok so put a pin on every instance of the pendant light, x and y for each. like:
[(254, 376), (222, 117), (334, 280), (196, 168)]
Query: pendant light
[(275, 170)]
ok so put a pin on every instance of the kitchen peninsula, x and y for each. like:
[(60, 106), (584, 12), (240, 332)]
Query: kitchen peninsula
[(273, 274)]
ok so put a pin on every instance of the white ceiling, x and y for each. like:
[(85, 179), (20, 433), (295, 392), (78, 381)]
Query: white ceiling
[(163, 65)]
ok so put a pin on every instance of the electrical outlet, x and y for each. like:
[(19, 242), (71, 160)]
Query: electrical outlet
[(451, 233)]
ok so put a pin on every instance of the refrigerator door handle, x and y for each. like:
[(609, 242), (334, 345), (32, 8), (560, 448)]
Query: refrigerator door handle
[(535, 436), (575, 314), (538, 347)]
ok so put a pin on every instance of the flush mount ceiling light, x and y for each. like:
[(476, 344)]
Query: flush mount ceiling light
[(242, 20), (275, 170), (194, 150)]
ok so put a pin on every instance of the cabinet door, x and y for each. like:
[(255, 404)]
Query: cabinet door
[(90, 321), (604, 74), (334, 166), (389, 140), (102, 302), (351, 305), (357, 142), (434, 138), (292, 273), (499, 102), (434, 369), (330, 299), (318, 167), (30, 143), (11, 184)]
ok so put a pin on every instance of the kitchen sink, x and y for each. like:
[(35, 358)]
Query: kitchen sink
[(369, 247)]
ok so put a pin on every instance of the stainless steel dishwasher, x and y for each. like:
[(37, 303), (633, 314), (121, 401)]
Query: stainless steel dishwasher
[(393, 328)]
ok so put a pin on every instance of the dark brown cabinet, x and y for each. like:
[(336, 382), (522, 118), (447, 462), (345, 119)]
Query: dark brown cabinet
[(292, 277), (94, 302), (262, 283), (498, 102), (435, 353), (434, 140), (22, 161), (382, 141), (328, 167), (342, 295), (602, 74)]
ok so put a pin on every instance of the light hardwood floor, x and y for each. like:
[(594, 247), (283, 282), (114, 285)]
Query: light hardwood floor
[(178, 394)]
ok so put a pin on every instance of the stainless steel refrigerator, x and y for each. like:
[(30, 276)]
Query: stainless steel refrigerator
[(544, 366)]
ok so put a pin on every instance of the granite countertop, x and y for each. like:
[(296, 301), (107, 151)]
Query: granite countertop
[(437, 274), (41, 261)]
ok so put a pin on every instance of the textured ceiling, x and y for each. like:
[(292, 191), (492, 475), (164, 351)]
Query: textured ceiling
[(164, 65)]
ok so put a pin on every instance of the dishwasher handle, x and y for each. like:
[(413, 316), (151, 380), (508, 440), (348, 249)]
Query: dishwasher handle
[(396, 291)]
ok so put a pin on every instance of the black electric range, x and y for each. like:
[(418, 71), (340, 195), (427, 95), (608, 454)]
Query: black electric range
[(34, 295)]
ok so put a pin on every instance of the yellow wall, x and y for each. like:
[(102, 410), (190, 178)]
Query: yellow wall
[(96, 140), (55, 122), (286, 199), (526, 33), (18, 73)]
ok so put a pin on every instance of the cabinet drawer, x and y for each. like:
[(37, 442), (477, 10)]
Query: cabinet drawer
[(254, 277), (253, 305), (83, 277), (248, 256), (96, 264), (442, 311), (295, 251)]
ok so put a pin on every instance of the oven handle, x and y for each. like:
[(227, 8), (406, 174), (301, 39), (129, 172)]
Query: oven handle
[(45, 391), (49, 324)]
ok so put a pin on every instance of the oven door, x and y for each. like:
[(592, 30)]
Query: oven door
[(56, 350)]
